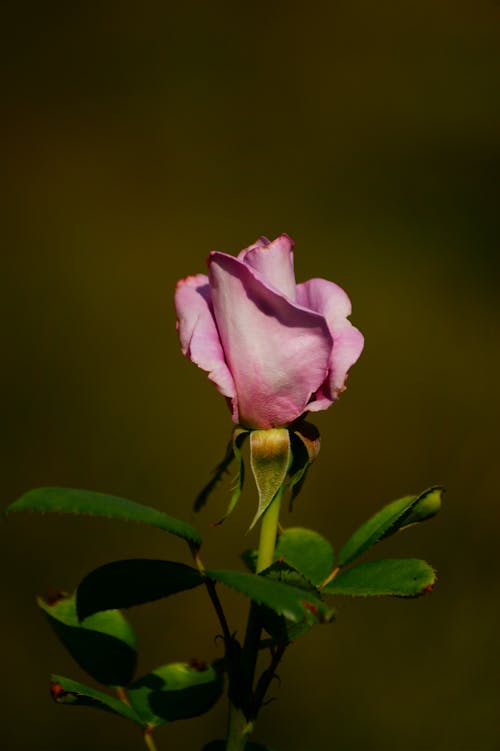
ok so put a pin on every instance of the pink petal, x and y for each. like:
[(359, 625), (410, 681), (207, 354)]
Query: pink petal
[(347, 346), (260, 243), (198, 333), (274, 264), (326, 298), (332, 302), (278, 352)]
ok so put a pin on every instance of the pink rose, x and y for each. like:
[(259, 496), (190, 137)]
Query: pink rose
[(275, 349)]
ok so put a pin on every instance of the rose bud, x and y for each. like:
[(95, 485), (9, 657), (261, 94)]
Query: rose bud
[(275, 349)]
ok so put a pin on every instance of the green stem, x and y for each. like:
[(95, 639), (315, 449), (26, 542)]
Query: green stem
[(268, 532), (265, 556), (239, 728), (148, 740)]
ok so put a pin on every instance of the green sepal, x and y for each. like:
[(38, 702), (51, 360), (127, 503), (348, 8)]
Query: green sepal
[(223, 466), (270, 457), (124, 584), (233, 452), (239, 436), (390, 519), (391, 577), (284, 599), (176, 691), (86, 502), (104, 645), (72, 693), (306, 551), (305, 445)]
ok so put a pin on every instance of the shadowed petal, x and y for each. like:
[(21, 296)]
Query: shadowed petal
[(278, 352), (332, 302), (198, 333), (274, 263)]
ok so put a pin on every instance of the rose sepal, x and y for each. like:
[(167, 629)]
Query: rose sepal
[(270, 458)]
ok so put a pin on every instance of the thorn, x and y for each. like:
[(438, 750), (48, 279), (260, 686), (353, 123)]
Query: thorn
[(277, 678), (269, 701), (218, 523)]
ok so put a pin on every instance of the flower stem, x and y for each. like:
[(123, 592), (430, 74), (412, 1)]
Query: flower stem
[(239, 725), (238, 729), (265, 556), (268, 532), (214, 598)]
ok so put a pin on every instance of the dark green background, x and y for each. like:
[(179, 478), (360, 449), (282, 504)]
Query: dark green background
[(139, 136)]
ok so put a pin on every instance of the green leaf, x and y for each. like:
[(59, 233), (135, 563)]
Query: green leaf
[(281, 571), (392, 577), (104, 645), (176, 691), (306, 551), (123, 584), (282, 629), (390, 519), (270, 457), (428, 505), (284, 599), (87, 502), (66, 691), (249, 558)]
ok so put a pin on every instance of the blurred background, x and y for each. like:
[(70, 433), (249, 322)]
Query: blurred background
[(137, 138)]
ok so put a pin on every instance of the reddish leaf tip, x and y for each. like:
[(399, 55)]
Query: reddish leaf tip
[(57, 691), (198, 665), (52, 598), (311, 607)]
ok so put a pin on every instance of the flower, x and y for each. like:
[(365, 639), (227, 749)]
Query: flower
[(275, 349)]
